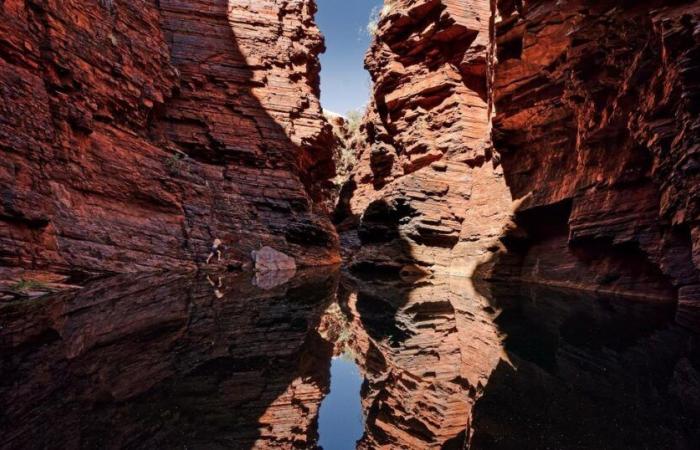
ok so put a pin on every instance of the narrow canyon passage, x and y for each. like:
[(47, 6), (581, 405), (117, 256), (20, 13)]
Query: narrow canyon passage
[(469, 224)]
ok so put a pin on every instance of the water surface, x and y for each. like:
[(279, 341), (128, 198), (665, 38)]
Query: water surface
[(340, 422), (172, 361)]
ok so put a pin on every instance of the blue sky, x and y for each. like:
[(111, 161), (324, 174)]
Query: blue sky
[(344, 81)]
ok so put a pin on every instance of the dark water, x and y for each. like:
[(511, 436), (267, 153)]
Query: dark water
[(168, 361)]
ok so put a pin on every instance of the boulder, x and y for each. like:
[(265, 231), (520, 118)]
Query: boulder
[(268, 259)]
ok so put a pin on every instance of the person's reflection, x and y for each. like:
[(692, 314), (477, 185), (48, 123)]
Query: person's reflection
[(218, 292)]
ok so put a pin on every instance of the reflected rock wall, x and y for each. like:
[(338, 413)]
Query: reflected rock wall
[(426, 351), (588, 372), (163, 361)]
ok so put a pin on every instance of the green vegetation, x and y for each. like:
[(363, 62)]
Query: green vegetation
[(376, 15), (350, 140), (175, 162), (353, 120), (28, 285)]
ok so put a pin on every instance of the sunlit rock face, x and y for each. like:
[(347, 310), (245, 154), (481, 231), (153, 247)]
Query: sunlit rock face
[(166, 362), (427, 190), (597, 127), (134, 133)]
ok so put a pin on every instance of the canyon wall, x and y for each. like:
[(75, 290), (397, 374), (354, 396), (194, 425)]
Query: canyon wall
[(597, 128), (133, 133), (549, 141), (426, 193)]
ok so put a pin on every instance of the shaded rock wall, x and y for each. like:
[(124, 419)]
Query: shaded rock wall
[(597, 127), (581, 116), (426, 190), (134, 133)]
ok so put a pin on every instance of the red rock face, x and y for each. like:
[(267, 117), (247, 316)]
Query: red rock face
[(597, 126), (426, 190), (594, 137), (133, 134)]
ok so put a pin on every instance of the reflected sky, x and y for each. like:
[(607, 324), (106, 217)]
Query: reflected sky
[(340, 422)]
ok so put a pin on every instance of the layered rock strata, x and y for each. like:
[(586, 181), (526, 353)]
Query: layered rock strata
[(134, 133), (593, 142), (427, 190), (597, 127)]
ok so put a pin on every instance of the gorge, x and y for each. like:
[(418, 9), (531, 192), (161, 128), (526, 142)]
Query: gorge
[(511, 259)]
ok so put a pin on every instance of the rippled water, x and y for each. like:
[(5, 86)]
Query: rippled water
[(321, 359)]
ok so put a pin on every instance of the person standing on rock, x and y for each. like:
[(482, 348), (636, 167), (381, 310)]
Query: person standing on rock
[(216, 248)]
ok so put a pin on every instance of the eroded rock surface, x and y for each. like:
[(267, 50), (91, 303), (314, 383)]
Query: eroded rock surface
[(595, 135), (135, 133), (427, 190), (597, 127)]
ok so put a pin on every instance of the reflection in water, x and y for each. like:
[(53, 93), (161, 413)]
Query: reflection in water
[(172, 361), (588, 373), (161, 362), (425, 348), (340, 421)]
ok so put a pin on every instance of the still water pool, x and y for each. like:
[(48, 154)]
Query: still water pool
[(326, 360)]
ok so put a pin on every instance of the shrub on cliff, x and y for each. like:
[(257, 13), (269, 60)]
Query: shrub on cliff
[(376, 15)]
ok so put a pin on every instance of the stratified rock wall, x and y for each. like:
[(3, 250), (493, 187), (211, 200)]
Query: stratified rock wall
[(426, 189), (133, 133), (597, 127)]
